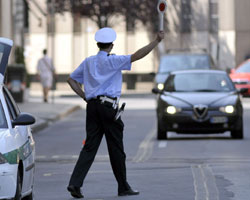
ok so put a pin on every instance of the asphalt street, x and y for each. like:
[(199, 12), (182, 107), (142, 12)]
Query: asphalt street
[(195, 167)]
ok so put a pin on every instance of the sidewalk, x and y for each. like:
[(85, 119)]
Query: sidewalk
[(64, 89), (45, 113)]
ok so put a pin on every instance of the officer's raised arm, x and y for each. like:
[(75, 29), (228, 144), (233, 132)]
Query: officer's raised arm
[(148, 48)]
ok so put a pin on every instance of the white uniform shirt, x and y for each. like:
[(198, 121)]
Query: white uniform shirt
[(102, 74)]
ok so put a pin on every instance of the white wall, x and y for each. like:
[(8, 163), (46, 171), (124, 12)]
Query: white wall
[(71, 48), (6, 19)]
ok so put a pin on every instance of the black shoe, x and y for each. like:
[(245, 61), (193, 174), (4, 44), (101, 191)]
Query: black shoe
[(75, 191), (128, 192)]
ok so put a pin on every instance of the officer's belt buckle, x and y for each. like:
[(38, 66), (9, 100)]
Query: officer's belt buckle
[(114, 102)]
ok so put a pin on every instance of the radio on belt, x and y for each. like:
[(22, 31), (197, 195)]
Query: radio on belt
[(120, 111)]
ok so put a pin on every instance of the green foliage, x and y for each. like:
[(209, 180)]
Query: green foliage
[(101, 11), (19, 56), (20, 60)]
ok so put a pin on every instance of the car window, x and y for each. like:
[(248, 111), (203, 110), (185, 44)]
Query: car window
[(181, 62), (192, 82), (244, 68), (12, 106)]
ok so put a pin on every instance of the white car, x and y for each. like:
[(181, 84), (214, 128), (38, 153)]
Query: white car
[(17, 147)]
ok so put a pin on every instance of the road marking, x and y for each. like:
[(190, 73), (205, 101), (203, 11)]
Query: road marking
[(162, 144), (246, 105), (70, 158), (100, 171), (55, 157), (47, 174), (204, 183), (145, 148), (96, 199)]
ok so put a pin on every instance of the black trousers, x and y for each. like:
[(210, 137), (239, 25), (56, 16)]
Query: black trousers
[(99, 121)]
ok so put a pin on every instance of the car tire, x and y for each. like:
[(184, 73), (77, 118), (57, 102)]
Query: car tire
[(238, 132), (18, 188), (161, 133)]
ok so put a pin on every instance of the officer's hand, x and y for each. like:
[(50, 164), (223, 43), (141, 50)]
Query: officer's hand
[(160, 36)]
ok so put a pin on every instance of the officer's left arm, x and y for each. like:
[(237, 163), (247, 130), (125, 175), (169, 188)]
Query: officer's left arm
[(76, 87)]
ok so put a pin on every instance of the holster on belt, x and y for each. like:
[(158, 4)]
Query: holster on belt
[(119, 112)]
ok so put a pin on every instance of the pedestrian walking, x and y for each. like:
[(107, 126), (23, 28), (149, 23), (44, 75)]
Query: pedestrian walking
[(45, 74), (101, 76)]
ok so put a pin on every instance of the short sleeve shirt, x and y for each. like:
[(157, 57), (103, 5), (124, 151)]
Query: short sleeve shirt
[(102, 74)]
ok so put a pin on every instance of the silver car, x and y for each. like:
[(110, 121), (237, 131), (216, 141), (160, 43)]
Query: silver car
[(17, 147)]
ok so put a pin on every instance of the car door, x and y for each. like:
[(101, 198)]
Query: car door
[(23, 133)]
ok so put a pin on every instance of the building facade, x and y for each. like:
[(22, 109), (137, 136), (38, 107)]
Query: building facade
[(193, 24), (6, 19), (219, 26), (69, 39), (234, 32)]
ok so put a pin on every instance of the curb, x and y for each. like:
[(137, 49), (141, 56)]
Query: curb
[(44, 123)]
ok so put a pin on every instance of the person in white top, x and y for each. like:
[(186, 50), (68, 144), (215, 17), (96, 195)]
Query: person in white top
[(45, 73)]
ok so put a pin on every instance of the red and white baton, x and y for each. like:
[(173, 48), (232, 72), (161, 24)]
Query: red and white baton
[(161, 7)]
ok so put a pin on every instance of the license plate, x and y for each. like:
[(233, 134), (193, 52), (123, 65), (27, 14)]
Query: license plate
[(216, 120)]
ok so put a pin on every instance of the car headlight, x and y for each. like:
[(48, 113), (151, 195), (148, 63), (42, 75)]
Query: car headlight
[(172, 110), (160, 86), (2, 159), (227, 109)]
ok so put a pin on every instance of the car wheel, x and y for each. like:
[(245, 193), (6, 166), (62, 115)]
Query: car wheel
[(18, 188), (238, 132), (161, 133)]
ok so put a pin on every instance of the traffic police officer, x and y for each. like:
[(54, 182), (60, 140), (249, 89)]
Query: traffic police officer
[(101, 76)]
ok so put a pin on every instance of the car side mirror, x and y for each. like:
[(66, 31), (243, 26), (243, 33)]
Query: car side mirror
[(23, 119), (242, 90), (157, 91)]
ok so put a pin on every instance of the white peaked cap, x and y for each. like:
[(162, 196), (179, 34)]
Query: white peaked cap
[(105, 35)]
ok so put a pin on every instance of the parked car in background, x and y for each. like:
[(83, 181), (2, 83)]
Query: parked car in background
[(199, 101), (16, 81), (241, 76), (17, 147), (181, 60)]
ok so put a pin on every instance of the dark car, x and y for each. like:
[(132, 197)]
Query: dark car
[(199, 101), (181, 61)]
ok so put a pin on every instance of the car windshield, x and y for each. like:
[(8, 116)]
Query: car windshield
[(3, 122), (199, 82), (181, 62), (244, 68)]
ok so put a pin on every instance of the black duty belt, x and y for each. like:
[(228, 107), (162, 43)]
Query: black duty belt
[(114, 102)]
